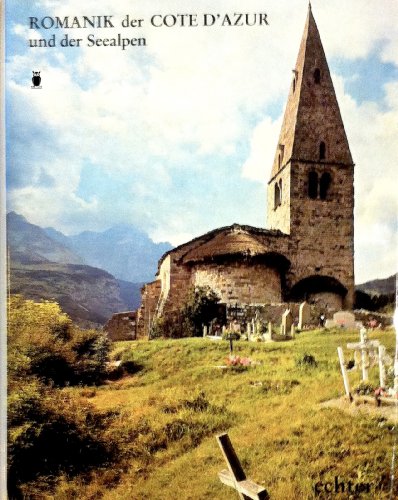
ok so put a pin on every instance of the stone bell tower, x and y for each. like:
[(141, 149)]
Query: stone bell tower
[(311, 189)]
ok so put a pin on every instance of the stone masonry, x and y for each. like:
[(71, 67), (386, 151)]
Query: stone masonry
[(121, 326)]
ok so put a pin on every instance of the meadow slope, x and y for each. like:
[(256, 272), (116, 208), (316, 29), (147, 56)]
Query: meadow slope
[(168, 411)]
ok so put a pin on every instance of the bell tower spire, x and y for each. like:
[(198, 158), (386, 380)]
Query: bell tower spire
[(310, 191)]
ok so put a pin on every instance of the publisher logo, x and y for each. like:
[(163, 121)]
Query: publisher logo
[(36, 80), (341, 486)]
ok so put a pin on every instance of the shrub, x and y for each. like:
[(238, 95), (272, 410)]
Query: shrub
[(50, 432), (306, 361), (200, 307), (365, 389), (42, 341)]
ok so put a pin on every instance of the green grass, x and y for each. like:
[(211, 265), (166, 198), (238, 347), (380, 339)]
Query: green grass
[(172, 408)]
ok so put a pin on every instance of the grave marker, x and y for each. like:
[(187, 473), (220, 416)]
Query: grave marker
[(344, 372), (287, 321), (235, 475), (304, 315), (367, 348), (344, 319)]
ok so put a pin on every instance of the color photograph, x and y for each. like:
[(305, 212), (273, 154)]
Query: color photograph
[(201, 249)]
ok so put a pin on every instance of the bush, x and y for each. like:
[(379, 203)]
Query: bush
[(199, 309), (365, 389), (306, 361), (42, 341), (50, 433)]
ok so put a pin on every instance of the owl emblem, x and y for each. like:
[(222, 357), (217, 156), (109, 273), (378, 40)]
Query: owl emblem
[(36, 79)]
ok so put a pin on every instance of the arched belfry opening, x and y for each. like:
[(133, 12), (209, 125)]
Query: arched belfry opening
[(313, 185), (277, 195), (324, 185), (322, 150)]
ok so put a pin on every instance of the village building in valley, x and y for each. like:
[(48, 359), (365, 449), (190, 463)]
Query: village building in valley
[(307, 251)]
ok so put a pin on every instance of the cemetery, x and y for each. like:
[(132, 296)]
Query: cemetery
[(287, 417), (279, 409)]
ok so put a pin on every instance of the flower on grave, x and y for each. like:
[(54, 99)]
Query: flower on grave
[(238, 361), (380, 392)]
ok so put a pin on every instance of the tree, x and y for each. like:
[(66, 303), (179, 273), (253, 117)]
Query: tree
[(199, 309)]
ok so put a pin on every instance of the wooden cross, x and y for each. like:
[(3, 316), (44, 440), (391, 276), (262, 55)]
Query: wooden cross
[(235, 475), (366, 347)]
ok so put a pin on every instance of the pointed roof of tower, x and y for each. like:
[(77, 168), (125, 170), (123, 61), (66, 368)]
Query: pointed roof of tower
[(312, 114)]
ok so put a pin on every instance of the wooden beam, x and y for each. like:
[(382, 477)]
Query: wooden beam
[(235, 475), (248, 488), (344, 373)]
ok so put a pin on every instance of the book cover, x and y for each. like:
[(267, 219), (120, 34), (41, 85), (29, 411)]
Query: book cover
[(245, 150)]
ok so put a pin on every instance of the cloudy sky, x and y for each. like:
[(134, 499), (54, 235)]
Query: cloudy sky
[(178, 137)]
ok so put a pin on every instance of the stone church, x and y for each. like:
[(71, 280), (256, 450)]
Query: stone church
[(307, 252)]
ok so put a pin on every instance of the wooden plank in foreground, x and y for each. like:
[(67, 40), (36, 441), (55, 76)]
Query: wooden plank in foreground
[(235, 476)]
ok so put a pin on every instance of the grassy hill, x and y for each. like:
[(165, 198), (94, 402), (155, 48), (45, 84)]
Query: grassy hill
[(164, 418)]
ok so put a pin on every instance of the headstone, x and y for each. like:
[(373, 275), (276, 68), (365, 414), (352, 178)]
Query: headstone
[(235, 326), (270, 329), (330, 323), (248, 330), (344, 319), (205, 331), (304, 315), (292, 331), (287, 321)]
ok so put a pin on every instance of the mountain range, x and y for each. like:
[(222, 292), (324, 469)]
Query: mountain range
[(91, 275), (123, 250)]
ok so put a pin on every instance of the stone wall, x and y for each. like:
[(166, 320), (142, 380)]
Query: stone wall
[(239, 281), (121, 326), (150, 294), (324, 229), (278, 217)]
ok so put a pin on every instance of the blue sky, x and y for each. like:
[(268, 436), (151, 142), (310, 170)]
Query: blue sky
[(178, 137)]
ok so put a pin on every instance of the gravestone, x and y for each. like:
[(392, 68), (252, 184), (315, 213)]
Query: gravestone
[(287, 321), (304, 315), (235, 326), (344, 319)]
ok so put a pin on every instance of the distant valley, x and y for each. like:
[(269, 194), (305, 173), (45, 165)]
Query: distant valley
[(91, 275)]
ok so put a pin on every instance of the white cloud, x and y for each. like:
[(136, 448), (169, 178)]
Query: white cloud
[(262, 150), (190, 94)]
